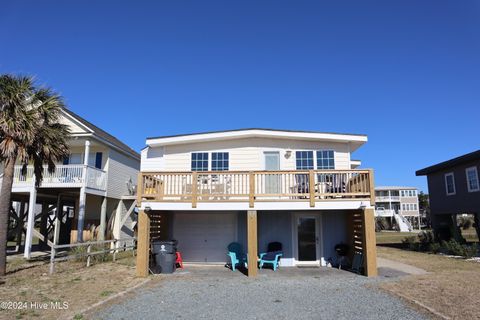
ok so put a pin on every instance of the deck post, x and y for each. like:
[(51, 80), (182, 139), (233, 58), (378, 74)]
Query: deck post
[(43, 224), (143, 244), (83, 195), (251, 196), (194, 189), (311, 187), (369, 242), (252, 243), (30, 220), (371, 185), (103, 219)]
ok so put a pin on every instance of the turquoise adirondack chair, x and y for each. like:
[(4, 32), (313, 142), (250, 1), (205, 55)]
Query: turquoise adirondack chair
[(237, 256), (272, 256)]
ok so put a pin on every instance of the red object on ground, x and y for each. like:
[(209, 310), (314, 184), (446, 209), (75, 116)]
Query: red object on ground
[(179, 260)]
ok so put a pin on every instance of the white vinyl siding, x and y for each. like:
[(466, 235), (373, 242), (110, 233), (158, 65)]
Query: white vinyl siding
[(244, 154), (473, 184), (121, 169)]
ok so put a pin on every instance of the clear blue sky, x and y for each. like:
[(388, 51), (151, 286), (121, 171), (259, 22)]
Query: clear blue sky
[(407, 73)]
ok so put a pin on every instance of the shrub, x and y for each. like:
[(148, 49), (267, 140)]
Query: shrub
[(434, 247), (426, 238), (410, 243), (457, 249), (81, 254)]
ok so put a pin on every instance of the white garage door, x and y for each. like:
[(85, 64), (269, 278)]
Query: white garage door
[(204, 237)]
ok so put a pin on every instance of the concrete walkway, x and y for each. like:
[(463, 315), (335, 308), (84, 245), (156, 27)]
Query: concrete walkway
[(391, 268), (289, 293)]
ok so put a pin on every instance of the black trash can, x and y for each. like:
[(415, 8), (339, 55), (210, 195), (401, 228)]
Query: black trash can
[(165, 255)]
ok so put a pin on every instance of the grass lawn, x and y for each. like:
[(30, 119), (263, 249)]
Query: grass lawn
[(72, 282), (393, 236), (451, 287)]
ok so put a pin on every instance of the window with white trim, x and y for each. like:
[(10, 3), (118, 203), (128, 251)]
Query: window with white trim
[(219, 161), (199, 161), (450, 183), (473, 184), (325, 159), (304, 160), (409, 207)]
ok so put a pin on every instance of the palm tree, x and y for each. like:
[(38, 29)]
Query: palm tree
[(30, 133)]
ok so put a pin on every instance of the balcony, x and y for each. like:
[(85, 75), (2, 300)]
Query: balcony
[(64, 176), (387, 198), (256, 186)]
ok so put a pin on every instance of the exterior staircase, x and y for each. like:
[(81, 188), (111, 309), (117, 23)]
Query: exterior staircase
[(403, 224)]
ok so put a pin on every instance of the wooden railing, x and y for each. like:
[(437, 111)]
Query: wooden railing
[(254, 186), (67, 176)]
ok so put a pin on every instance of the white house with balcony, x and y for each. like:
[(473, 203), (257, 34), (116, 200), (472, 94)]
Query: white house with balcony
[(88, 189), (254, 187), (399, 204)]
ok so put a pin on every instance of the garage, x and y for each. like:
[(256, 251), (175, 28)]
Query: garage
[(204, 237)]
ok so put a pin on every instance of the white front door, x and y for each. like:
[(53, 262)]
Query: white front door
[(204, 237), (307, 239), (272, 163)]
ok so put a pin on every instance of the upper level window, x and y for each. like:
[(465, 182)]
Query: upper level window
[(219, 161), (325, 159), (472, 179), (304, 160), (200, 161), (450, 183)]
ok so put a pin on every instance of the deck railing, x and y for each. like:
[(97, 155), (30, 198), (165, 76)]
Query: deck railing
[(255, 186), (65, 176)]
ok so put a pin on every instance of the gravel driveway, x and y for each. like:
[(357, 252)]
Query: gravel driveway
[(290, 293)]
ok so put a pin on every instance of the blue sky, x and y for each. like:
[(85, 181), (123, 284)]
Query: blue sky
[(406, 73)]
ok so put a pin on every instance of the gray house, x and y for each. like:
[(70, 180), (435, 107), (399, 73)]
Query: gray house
[(454, 188)]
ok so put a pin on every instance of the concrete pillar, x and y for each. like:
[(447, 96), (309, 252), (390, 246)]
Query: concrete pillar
[(30, 222), (83, 195), (103, 219)]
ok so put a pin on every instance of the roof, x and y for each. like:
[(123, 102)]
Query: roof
[(103, 134), (450, 163), (250, 129), (356, 139), (381, 188)]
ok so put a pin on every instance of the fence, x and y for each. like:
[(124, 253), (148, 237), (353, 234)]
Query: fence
[(115, 247)]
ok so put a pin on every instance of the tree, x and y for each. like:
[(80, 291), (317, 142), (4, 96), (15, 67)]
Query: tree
[(30, 133)]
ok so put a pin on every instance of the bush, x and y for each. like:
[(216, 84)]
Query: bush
[(426, 238), (457, 249), (410, 243), (434, 247)]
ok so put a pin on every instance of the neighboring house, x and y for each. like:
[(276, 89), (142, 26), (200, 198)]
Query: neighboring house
[(97, 181), (454, 188), (400, 204), (256, 186)]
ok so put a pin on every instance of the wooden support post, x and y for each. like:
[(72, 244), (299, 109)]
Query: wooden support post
[(371, 185), (369, 243), (194, 189), (43, 224), (139, 188), (252, 243), (311, 187), (21, 224), (143, 244), (89, 249), (251, 197)]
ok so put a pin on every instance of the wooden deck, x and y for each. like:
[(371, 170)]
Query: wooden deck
[(256, 186)]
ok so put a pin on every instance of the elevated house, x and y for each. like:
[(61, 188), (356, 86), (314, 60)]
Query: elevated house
[(256, 186), (399, 204), (91, 187), (454, 188)]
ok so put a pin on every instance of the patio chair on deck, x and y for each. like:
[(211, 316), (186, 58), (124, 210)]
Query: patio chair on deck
[(272, 256), (237, 256), (301, 184)]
